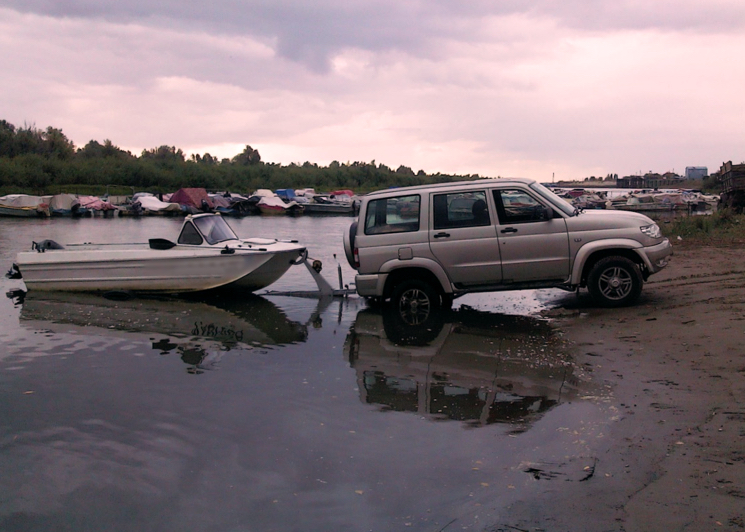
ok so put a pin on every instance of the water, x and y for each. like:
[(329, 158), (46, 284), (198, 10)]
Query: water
[(274, 412)]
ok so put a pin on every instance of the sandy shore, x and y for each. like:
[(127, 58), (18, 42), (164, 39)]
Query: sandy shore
[(673, 456)]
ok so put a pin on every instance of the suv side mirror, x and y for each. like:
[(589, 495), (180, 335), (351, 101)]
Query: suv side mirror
[(543, 213)]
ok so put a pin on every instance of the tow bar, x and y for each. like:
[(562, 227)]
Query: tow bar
[(315, 266)]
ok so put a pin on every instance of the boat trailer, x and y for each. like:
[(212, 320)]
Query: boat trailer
[(325, 289)]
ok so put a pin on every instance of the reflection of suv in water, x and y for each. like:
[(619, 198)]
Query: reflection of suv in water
[(467, 365), (422, 246)]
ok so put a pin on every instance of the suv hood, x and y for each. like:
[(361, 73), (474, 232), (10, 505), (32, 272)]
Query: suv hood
[(612, 219)]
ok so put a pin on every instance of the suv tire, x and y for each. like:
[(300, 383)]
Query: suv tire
[(349, 237), (615, 282), (414, 301)]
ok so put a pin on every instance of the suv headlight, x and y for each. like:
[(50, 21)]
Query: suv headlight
[(652, 231)]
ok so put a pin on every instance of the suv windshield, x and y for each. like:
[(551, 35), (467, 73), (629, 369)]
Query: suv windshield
[(555, 200), (214, 229)]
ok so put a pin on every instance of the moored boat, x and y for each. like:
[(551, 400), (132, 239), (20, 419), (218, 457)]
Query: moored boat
[(275, 205), (24, 206), (332, 204), (207, 255)]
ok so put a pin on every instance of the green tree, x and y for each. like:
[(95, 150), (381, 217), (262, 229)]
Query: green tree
[(164, 154), (249, 156), (57, 145), (7, 139)]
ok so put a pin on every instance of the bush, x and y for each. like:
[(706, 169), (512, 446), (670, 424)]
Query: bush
[(722, 227)]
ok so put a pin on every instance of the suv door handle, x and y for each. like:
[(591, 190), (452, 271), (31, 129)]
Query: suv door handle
[(509, 230), (442, 235)]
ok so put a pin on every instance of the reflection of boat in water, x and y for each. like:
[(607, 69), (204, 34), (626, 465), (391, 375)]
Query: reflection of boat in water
[(470, 366), (197, 330), (207, 255)]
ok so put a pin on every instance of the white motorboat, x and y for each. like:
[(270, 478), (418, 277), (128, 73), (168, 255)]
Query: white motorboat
[(207, 255)]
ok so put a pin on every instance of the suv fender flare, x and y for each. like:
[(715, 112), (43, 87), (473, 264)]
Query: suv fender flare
[(420, 263), (605, 245)]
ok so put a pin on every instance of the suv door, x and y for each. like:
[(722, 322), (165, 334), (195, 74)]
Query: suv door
[(463, 238), (533, 246)]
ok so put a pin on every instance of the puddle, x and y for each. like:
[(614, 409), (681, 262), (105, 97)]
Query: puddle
[(284, 414)]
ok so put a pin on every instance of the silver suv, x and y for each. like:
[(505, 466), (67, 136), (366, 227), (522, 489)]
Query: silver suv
[(422, 246)]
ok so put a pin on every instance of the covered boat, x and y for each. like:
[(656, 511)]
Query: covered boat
[(95, 204), (193, 200), (23, 205), (332, 204), (207, 255), (275, 205), (152, 205), (66, 205)]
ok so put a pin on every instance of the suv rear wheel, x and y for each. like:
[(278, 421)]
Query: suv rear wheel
[(414, 301), (615, 282)]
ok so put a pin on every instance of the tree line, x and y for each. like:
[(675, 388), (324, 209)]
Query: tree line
[(38, 161)]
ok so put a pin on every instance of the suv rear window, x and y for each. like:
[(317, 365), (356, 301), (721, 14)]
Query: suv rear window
[(460, 210), (393, 215)]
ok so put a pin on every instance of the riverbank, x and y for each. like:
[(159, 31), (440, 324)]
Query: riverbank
[(672, 459)]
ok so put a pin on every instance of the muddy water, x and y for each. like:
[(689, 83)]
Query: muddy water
[(274, 412)]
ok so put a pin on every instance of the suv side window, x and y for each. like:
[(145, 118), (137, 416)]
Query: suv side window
[(460, 209), (516, 206), (393, 215)]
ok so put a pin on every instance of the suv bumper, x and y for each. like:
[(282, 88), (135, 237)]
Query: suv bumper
[(658, 255), (370, 285)]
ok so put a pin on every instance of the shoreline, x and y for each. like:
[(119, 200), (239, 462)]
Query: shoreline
[(672, 457)]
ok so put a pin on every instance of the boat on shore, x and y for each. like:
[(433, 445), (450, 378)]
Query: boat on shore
[(207, 255)]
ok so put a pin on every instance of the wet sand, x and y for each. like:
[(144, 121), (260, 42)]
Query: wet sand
[(673, 456)]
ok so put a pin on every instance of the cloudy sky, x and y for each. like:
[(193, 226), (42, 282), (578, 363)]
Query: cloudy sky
[(568, 88)]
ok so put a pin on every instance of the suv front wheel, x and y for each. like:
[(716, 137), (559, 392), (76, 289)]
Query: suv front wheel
[(414, 301), (615, 282)]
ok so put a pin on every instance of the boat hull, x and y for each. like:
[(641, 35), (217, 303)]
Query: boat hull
[(22, 212), (273, 210), (181, 269), (267, 273), (329, 208)]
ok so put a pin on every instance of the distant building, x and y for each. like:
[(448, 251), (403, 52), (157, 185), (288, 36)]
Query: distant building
[(650, 180), (630, 181), (696, 172)]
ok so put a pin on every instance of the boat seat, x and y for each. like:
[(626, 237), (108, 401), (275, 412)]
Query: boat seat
[(44, 245), (161, 243)]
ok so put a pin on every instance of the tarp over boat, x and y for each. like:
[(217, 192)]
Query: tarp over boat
[(275, 205), (153, 204), (95, 204), (64, 204), (24, 205), (192, 197), (24, 200), (221, 201)]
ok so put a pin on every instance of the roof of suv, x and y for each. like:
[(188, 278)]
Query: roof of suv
[(436, 186)]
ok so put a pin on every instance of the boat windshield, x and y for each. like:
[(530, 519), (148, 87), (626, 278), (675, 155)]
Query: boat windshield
[(214, 229)]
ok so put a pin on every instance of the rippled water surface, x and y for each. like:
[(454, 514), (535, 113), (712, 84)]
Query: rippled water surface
[(273, 412)]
